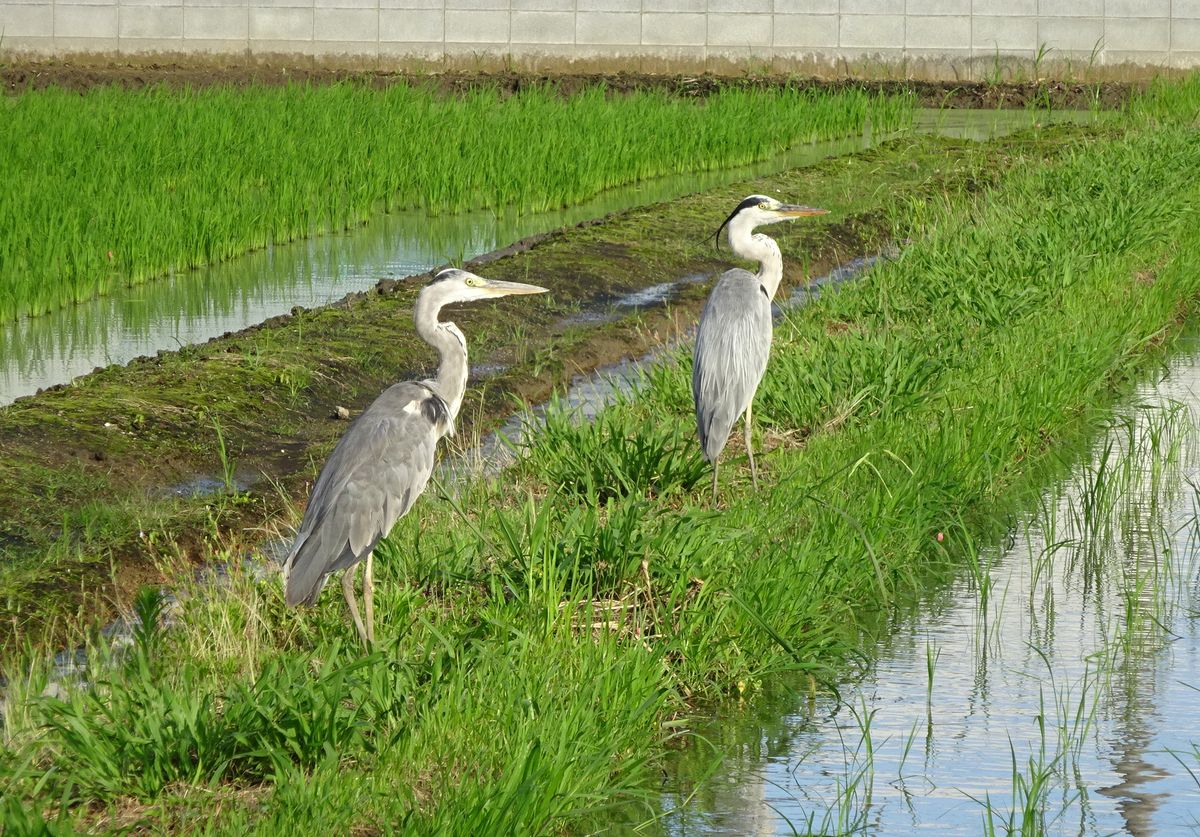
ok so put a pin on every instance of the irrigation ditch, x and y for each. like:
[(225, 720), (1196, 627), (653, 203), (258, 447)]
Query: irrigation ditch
[(552, 629)]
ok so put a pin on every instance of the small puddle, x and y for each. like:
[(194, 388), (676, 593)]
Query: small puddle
[(1055, 692), (195, 306)]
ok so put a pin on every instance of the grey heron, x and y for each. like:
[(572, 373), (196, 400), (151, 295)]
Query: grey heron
[(383, 461), (734, 337)]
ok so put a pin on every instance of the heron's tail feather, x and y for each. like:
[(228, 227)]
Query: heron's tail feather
[(303, 579)]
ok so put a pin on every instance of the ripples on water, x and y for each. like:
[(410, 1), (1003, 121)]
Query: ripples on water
[(1066, 675)]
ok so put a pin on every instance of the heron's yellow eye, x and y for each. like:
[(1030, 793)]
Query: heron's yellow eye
[(473, 282), (764, 205)]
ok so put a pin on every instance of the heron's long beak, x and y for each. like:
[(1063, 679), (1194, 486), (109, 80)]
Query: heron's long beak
[(789, 210), (495, 287)]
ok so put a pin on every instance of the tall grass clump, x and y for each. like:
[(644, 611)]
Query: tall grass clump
[(113, 187)]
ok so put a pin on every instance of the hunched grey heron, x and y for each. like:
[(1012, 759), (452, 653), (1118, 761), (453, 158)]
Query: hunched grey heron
[(734, 337), (383, 461)]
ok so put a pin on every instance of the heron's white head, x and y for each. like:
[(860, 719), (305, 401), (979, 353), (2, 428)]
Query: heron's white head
[(454, 285), (758, 210)]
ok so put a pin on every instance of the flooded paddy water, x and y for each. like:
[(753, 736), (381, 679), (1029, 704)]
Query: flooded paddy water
[(1053, 689), (195, 306)]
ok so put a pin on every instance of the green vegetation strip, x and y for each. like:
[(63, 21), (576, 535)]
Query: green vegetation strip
[(86, 513), (537, 642), (113, 187)]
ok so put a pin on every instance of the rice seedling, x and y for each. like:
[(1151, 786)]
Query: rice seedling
[(194, 177), (542, 631)]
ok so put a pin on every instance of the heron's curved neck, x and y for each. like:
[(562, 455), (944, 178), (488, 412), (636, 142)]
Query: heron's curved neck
[(759, 248), (451, 345)]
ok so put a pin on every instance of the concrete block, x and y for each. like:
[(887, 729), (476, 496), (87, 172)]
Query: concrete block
[(1186, 9), (345, 4), (543, 5), (1185, 36), (937, 32), (412, 26), (674, 29), (1005, 8), (350, 25), (1070, 34), (85, 44), (125, 4), (543, 28), (29, 45), (742, 30), (149, 22), (216, 23), (1004, 33), (401, 53), (872, 31), (1071, 8), (1137, 8), (270, 50), (23, 20), (281, 25), (1137, 57), (615, 28), (75, 21), (872, 7), (153, 46), (663, 6), (1185, 59), (817, 32), (350, 55), (244, 5), (439, 5), (217, 46), (938, 7), (477, 27), (806, 7), (473, 5), (111, 3), (608, 5), (1136, 34), (739, 6)]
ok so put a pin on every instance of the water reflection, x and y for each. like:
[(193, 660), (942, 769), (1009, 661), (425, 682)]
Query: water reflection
[(1065, 676), (198, 305)]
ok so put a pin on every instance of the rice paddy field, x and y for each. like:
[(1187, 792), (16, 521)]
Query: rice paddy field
[(556, 639), (165, 180)]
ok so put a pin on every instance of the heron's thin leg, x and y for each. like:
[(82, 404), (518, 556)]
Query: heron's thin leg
[(716, 464), (369, 597), (348, 593), (749, 447)]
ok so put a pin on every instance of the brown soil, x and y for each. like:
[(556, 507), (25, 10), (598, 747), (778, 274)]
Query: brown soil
[(951, 94)]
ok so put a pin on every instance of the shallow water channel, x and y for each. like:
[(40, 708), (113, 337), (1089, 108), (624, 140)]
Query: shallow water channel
[(1054, 689), (195, 306)]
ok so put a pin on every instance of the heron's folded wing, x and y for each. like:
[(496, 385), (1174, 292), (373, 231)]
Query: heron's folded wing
[(733, 344), (372, 478)]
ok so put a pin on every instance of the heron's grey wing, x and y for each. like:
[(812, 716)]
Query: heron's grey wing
[(372, 478), (733, 343)]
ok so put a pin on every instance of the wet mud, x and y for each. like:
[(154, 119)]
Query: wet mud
[(16, 78)]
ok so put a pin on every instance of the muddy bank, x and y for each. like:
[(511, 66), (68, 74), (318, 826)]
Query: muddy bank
[(87, 506), (957, 94)]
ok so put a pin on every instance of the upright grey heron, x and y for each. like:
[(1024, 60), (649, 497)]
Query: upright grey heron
[(734, 338), (382, 462)]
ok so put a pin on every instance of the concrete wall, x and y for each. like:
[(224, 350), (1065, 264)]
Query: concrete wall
[(933, 38)]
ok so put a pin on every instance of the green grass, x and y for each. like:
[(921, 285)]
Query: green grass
[(114, 187), (542, 632)]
